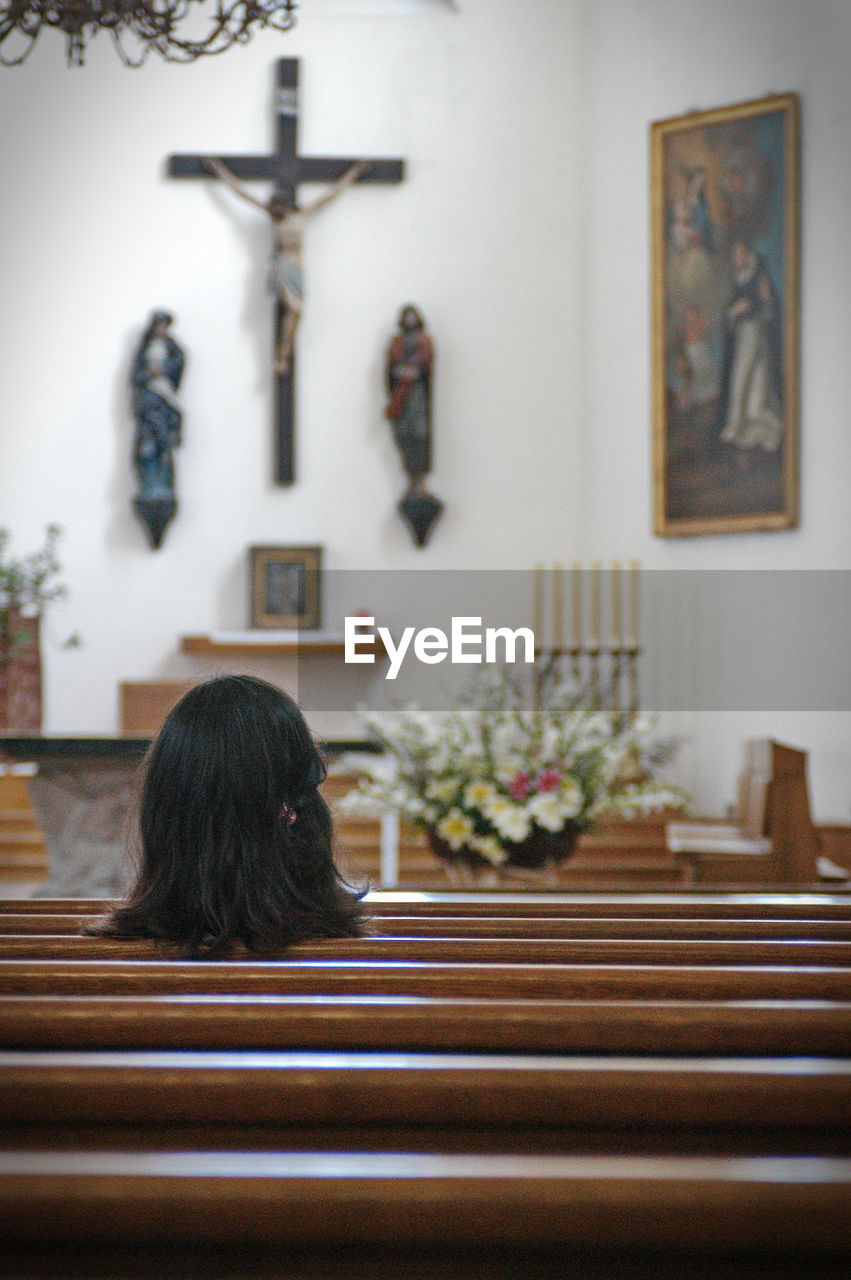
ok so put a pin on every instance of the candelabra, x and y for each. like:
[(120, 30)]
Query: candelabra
[(605, 666)]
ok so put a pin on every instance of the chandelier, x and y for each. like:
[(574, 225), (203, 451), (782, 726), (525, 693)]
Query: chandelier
[(175, 29)]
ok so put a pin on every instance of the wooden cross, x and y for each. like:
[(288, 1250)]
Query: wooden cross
[(286, 169)]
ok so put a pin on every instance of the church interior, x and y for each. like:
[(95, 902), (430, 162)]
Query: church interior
[(416, 311)]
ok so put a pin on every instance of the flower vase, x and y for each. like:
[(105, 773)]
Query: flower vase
[(534, 860), (20, 673)]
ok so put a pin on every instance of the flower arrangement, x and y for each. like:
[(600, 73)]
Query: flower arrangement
[(498, 776), (27, 585)]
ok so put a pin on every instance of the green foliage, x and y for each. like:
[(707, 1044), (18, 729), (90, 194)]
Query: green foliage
[(28, 584)]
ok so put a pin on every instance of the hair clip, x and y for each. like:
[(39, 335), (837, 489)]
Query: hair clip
[(289, 814)]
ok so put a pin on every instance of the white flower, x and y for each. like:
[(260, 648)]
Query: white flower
[(416, 808), (467, 761), (378, 768), (548, 811), (570, 797), (456, 829), (511, 821)]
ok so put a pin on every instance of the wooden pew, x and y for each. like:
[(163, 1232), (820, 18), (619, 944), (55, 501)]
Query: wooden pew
[(415, 978), (737, 1027), (449, 1102), (681, 906), (208, 976), (507, 926), (748, 905), (427, 1089), (595, 951), (700, 1205), (776, 1000)]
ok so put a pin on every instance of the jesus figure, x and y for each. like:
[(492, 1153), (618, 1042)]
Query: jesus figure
[(288, 223)]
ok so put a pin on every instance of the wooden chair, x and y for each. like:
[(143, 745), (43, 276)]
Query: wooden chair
[(773, 839)]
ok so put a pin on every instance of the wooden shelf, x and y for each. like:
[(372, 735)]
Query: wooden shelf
[(273, 644)]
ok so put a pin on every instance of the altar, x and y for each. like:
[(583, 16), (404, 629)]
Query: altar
[(84, 793)]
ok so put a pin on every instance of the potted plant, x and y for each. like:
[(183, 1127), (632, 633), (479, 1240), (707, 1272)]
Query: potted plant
[(507, 782), (27, 587)]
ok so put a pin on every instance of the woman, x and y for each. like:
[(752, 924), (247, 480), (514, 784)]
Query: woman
[(157, 373), (236, 841)]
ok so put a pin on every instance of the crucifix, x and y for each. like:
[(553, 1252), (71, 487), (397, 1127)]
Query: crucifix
[(286, 169)]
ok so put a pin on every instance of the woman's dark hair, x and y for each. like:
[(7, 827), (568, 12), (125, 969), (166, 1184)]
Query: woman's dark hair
[(236, 841)]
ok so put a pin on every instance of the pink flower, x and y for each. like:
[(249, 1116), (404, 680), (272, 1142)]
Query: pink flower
[(548, 780), (519, 786)]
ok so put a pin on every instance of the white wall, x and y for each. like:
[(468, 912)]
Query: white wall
[(521, 230), (482, 234), (648, 61)]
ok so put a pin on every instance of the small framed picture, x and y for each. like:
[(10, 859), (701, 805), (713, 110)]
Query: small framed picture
[(286, 587)]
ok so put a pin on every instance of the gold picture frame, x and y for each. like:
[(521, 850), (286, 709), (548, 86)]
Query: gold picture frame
[(725, 252), (286, 588)]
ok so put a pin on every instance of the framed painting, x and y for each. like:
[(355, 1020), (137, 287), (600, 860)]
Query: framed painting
[(725, 262), (286, 587)]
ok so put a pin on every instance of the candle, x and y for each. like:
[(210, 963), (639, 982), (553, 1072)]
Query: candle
[(594, 637), (558, 622), (633, 605), (616, 604), (538, 618), (576, 605)]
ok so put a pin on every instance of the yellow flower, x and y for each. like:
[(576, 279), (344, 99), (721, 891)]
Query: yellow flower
[(455, 829), (478, 795)]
